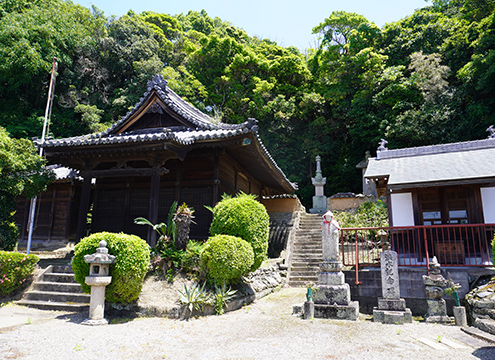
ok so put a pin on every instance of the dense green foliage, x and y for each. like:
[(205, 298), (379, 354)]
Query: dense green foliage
[(22, 172), (15, 269), (369, 214), (132, 259), (427, 78), (244, 217), (226, 258)]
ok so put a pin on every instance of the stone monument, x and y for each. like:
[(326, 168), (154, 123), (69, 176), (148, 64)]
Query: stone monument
[(391, 308), (332, 297), (98, 279), (434, 289), (319, 200)]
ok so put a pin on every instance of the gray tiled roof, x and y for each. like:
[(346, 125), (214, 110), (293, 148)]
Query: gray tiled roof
[(437, 163), (185, 137), (202, 127), (188, 112)]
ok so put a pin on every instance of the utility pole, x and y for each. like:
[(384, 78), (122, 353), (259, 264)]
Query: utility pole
[(48, 113)]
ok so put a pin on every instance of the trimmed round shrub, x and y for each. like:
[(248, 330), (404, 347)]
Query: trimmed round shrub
[(132, 259), (15, 270), (244, 217), (226, 258)]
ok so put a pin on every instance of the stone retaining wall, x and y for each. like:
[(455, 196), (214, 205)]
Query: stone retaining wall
[(411, 286)]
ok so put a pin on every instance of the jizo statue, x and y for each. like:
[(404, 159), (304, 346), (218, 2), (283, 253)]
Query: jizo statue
[(330, 235)]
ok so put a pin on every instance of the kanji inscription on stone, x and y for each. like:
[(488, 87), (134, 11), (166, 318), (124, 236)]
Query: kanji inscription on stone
[(390, 275)]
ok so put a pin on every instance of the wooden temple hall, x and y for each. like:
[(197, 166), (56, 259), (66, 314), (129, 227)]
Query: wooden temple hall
[(163, 150)]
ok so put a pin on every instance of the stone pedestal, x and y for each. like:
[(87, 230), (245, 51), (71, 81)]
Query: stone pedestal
[(97, 302), (437, 311), (391, 308), (332, 297)]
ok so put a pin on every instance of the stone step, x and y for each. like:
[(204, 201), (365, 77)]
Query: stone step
[(487, 325), (307, 247), (302, 282), (53, 296), (57, 287), (307, 253), (307, 239), (59, 277), (305, 259), (306, 262), (62, 269), (52, 305), (303, 273), (308, 242)]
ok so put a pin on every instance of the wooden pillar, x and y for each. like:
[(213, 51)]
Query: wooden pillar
[(52, 213), (177, 183), (83, 208), (216, 180), (153, 207)]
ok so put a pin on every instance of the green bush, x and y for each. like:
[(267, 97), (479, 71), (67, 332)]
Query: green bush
[(369, 214), (15, 269), (244, 217), (132, 258), (226, 258)]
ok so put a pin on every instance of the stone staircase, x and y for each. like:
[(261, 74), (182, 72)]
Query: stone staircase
[(307, 252), (56, 289)]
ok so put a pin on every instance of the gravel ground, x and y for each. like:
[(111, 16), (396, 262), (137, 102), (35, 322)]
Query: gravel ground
[(263, 330)]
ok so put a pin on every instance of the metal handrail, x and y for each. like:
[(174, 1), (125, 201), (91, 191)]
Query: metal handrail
[(464, 245)]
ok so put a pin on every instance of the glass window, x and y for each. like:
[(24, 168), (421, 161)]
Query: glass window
[(431, 215)]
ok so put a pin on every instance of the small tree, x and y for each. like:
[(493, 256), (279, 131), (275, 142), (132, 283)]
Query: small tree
[(22, 172), (183, 219)]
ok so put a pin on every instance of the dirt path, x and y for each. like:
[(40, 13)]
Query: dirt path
[(263, 330)]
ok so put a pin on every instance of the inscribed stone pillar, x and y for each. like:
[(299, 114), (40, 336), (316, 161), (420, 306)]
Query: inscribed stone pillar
[(391, 308)]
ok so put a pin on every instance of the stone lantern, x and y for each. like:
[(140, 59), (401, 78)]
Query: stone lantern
[(98, 279)]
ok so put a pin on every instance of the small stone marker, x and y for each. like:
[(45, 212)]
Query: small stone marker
[(391, 308), (98, 279), (332, 297)]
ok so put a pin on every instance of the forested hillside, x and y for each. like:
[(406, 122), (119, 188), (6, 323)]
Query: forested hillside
[(428, 78)]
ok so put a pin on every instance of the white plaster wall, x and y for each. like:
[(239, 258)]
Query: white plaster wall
[(488, 201), (402, 209)]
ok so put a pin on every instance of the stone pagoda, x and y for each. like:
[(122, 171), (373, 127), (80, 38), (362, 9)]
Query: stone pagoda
[(319, 200)]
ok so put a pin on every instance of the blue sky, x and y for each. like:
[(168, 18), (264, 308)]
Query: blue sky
[(287, 22)]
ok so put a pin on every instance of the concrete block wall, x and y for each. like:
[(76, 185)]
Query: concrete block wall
[(411, 286)]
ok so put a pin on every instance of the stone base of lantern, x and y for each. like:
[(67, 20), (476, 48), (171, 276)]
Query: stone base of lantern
[(319, 205), (342, 312), (437, 312), (392, 317)]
